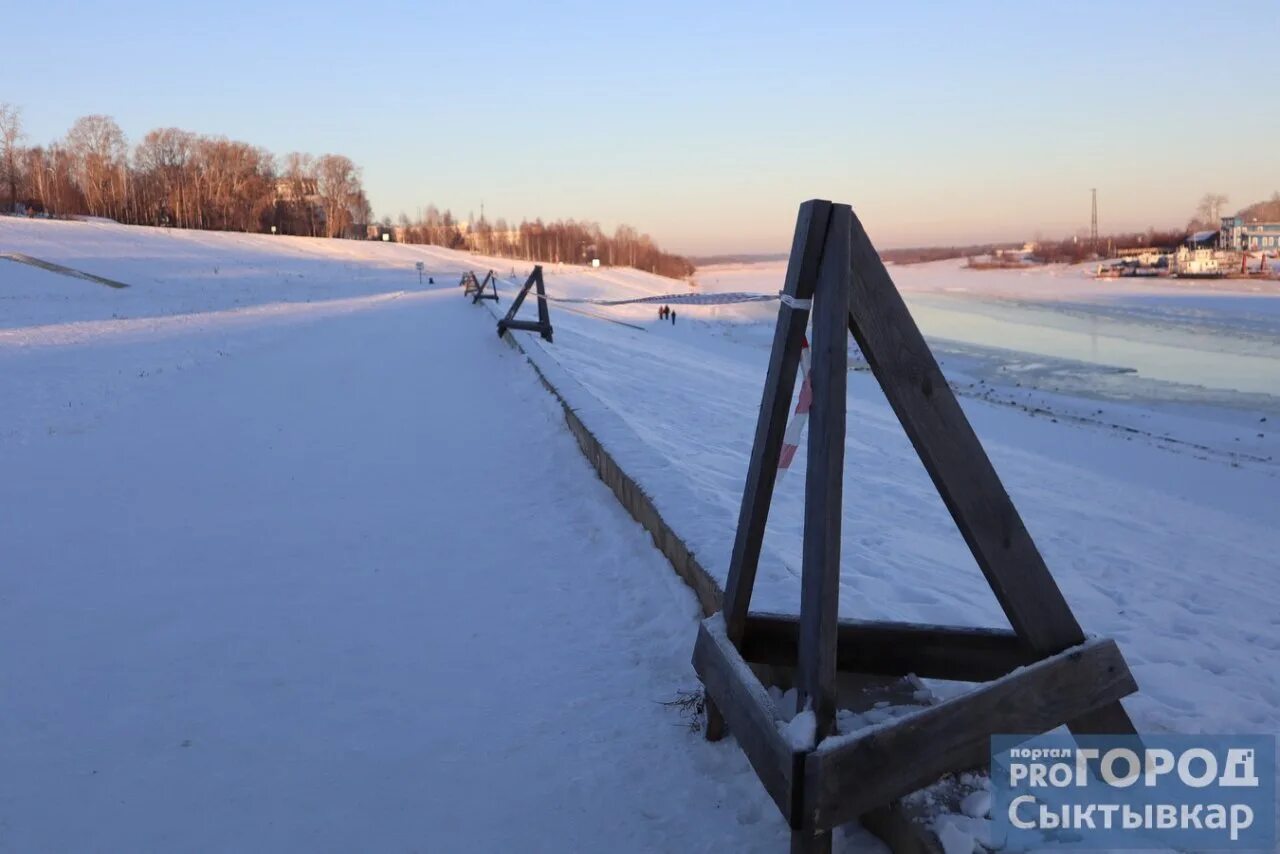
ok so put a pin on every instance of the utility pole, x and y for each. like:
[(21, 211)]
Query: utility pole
[(1093, 223)]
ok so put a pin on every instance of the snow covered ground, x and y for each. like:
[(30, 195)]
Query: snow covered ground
[(298, 556), (321, 576), (1156, 499)]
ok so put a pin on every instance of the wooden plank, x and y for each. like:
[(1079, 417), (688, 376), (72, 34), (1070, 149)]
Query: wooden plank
[(953, 456), (771, 422), (747, 708), (479, 289), (959, 467), (519, 300), (543, 323), (894, 649), (824, 477), (544, 316), (848, 776)]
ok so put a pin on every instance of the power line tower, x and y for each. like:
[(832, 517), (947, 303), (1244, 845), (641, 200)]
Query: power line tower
[(1093, 223)]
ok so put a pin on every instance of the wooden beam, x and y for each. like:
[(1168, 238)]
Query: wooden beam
[(519, 300), (894, 649), (954, 458), (823, 503), (479, 289), (527, 325), (748, 710), (959, 467), (771, 422), (848, 776), (544, 316), (543, 323), (824, 478)]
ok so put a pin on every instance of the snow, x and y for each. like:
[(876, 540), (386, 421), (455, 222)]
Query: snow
[(1154, 500), (955, 840), (298, 555), (332, 578), (976, 804), (801, 731)]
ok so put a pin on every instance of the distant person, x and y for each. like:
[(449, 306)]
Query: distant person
[(673, 317), (662, 312)]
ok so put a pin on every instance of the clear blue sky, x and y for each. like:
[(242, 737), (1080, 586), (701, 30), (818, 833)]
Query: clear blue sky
[(702, 124)]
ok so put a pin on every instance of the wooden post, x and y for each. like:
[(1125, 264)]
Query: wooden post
[(1048, 674), (824, 479), (480, 286), (544, 316), (823, 501), (543, 323), (771, 423), (960, 469)]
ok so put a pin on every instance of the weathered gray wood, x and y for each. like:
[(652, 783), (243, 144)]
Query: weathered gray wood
[(771, 421), (519, 300), (544, 316), (846, 777), (771, 424), (824, 478), (952, 455), (960, 469), (528, 325), (543, 323), (894, 649), (747, 708), (479, 288)]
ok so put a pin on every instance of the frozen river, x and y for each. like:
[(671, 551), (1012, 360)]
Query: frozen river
[(1215, 356), (1059, 329)]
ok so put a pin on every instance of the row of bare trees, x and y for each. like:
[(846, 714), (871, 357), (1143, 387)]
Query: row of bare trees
[(179, 178), (559, 241), (1073, 250)]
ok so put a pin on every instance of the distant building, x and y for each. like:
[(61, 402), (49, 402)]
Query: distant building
[(1238, 235), (300, 197), (1204, 240), (297, 189)]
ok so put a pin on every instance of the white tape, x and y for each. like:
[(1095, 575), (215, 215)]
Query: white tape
[(792, 302)]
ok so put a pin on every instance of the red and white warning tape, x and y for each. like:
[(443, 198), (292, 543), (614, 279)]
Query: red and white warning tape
[(791, 438)]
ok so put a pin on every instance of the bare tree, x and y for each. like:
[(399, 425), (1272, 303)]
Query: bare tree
[(97, 147), (10, 154), (1209, 212), (338, 184), (164, 155)]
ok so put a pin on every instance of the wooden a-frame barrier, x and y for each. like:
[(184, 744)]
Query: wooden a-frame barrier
[(476, 288), (543, 324), (835, 273)]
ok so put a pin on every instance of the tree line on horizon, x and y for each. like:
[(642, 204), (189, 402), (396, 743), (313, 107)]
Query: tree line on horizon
[(558, 241), (177, 178), (174, 177)]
